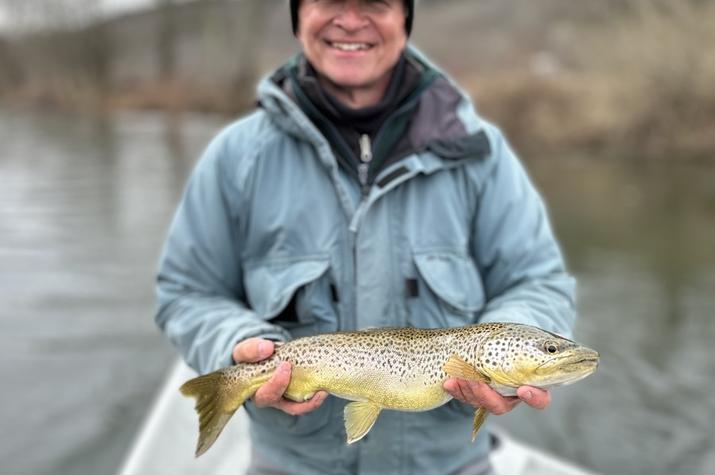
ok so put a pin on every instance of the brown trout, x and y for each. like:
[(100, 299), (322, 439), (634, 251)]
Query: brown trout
[(395, 368)]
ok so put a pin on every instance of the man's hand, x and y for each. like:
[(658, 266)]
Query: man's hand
[(478, 394), (270, 394)]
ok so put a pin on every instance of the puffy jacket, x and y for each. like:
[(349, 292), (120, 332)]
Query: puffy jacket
[(273, 239)]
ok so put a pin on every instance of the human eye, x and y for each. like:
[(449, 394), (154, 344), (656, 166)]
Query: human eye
[(330, 5), (379, 5)]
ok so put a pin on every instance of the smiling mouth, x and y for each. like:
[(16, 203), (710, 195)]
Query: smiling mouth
[(349, 47)]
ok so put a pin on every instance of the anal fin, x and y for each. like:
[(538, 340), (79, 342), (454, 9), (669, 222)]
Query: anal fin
[(480, 415), (456, 367), (359, 419)]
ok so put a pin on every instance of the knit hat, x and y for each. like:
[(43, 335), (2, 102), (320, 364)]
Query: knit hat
[(409, 6)]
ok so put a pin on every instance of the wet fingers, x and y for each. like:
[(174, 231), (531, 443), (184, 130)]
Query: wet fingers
[(300, 408), (271, 393), (453, 387), (534, 397), (481, 395), (252, 350)]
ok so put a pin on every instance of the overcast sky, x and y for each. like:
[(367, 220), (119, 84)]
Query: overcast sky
[(109, 6), (115, 5)]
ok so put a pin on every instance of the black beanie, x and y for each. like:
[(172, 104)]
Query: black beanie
[(409, 5)]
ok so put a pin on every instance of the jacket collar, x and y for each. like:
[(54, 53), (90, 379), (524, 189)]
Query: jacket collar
[(445, 122)]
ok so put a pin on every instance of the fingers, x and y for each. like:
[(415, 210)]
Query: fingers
[(453, 387), (271, 393), (488, 398), (252, 350), (479, 394), (300, 408), (534, 397)]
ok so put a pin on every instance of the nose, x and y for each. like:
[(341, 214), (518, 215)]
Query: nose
[(350, 17)]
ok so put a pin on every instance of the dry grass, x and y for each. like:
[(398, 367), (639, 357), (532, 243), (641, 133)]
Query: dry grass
[(664, 59), (542, 114), (642, 86), (172, 96)]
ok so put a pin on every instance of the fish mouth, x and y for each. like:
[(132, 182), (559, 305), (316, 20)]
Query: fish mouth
[(575, 365), (593, 360), (582, 355), (590, 360)]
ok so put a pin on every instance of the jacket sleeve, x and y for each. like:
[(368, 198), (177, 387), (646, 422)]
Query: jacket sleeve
[(520, 261), (202, 305)]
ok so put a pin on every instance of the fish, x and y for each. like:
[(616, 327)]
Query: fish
[(399, 369)]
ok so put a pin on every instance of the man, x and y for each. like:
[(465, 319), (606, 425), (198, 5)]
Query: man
[(364, 192)]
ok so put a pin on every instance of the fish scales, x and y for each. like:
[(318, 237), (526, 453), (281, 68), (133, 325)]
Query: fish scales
[(391, 367), (395, 368)]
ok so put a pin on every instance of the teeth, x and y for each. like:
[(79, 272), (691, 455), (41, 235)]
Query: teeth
[(350, 46)]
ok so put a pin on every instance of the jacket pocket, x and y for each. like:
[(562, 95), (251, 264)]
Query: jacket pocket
[(449, 290), (298, 294)]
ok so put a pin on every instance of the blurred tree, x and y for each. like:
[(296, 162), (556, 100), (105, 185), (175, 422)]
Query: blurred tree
[(11, 72), (167, 37), (166, 41), (249, 28), (72, 47), (95, 52)]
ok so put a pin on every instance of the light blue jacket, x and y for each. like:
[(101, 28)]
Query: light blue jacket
[(451, 234)]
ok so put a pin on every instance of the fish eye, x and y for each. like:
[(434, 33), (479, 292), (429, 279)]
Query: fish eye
[(551, 347)]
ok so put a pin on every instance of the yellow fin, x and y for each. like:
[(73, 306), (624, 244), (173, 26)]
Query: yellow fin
[(479, 417), (214, 405), (456, 367), (359, 419)]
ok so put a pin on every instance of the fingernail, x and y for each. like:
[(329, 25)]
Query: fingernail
[(264, 348), (527, 395), (284, 367)]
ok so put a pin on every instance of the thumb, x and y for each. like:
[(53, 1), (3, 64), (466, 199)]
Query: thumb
[(534, 397), (252, 350)]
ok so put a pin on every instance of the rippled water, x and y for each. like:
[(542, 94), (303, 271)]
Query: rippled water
[(84, 205), (640, 237)]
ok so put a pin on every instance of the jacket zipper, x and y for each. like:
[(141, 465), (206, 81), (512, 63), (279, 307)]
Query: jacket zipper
[(363, 168), (365, 159)]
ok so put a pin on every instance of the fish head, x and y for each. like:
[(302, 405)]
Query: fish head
[(517, 355)]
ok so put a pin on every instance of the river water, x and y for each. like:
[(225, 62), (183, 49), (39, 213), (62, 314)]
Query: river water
[(84, 205)]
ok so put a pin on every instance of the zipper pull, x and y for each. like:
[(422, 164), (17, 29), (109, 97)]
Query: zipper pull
[(365, 148), (362, 174), (365, 158)]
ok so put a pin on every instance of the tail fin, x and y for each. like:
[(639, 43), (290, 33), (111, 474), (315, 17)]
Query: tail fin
[(216, 401)]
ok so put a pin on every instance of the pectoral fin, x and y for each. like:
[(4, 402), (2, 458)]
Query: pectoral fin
[(359, 419), (479, 417), (456, 367)]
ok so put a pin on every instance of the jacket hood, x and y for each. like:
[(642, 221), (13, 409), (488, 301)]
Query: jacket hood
[(444, 121)]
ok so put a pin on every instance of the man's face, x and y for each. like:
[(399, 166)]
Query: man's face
[(352, 43)]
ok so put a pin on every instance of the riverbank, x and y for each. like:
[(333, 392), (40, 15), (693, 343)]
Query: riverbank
[(618, 78)]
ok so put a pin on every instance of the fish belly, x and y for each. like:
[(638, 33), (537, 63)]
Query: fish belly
[(384, 390)]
